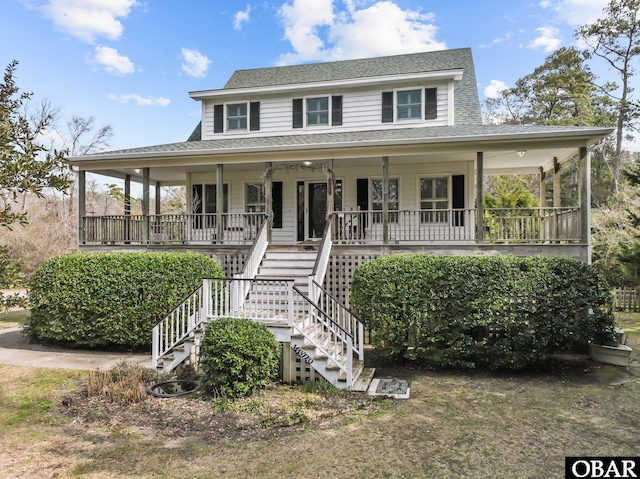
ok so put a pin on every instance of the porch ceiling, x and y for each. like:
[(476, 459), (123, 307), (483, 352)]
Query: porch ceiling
[(169, 163)]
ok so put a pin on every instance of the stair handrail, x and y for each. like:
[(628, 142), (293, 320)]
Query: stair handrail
[(344, 318), (252, 263), (178, 324), (343, 356), (322, 260)]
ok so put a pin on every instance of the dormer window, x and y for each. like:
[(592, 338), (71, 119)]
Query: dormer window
[(405, 105), (237, 116)]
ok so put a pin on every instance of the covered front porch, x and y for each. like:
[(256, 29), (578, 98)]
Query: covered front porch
[(422, 201)]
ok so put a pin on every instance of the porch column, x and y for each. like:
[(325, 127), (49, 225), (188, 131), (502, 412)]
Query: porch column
[(145, 205), (268, 198), (584, 195), (219, 202), (127, 209), (158, 199), (543, 188), (331, 187), (385, 199), (479, 197), (82, 204), (557, 197)]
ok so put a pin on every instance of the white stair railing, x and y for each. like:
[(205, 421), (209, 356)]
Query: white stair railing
[(343, 317), (252, 263), (322, 261), (177, 325)]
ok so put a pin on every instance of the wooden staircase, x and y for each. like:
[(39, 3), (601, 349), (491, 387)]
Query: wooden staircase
[(322, 332)]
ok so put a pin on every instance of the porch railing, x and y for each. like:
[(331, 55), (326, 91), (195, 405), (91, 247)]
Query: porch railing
[(501, 225), (237, 228)]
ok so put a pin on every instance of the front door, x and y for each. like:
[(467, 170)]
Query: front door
[(316, 210)]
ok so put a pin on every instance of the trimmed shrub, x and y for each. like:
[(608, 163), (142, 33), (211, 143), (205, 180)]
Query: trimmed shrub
[(110, 300), (238, 357), (499, 312)]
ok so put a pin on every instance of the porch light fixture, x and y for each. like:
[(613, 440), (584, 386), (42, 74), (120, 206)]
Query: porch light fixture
[(307, 163), (521, 153)]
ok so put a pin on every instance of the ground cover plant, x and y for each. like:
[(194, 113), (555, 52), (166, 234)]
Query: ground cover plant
[(110, 300), (480, 312)]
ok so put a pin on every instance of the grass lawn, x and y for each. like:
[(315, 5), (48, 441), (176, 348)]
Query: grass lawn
[(454, 425)]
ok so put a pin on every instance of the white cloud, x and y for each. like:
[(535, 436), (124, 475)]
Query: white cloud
[(241, 17), (140, 100), (580, 12), (493, 89), (89, 19), (317, 31), (112, 61), (548, 38), (194, 64)]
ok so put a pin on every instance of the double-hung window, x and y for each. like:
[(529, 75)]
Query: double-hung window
[(409, 105), (237, 116), (434, 200), (403, 105), (376, 199), (317, 111)]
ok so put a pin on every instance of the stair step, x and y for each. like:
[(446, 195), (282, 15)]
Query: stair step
[(361, 384)]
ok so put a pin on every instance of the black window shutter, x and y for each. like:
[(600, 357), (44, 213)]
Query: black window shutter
[(431, 104), (297, 113), (218, 118), (362, 194), (457, 199), (387, 107), (336, 110), (276, 203), (254, 116)]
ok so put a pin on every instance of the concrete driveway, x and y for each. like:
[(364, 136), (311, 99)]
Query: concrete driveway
[(16, 352)]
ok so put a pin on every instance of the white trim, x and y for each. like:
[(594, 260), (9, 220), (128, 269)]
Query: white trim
[(450, 104), (454, 75)]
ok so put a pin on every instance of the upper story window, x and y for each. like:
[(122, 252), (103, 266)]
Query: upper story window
[(409, 105), (404, 105), (237, 116), (317, 111)]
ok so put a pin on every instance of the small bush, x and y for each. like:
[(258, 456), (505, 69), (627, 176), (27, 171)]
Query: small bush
[(480, 312), (110, 300), (237, 357), (124, 383)]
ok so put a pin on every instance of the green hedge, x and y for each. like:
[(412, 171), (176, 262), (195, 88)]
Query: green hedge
[(238, 357), (498, 312), (110, 300)]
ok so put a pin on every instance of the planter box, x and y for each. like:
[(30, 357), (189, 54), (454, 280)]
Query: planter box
[(616, 355)]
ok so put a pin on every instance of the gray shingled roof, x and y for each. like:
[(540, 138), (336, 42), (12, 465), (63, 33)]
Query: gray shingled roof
[(467, 103), (335, 139)]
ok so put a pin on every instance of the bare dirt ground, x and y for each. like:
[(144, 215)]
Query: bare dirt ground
[(277, 411)]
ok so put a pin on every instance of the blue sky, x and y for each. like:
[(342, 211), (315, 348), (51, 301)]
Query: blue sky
[(132, 63)]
